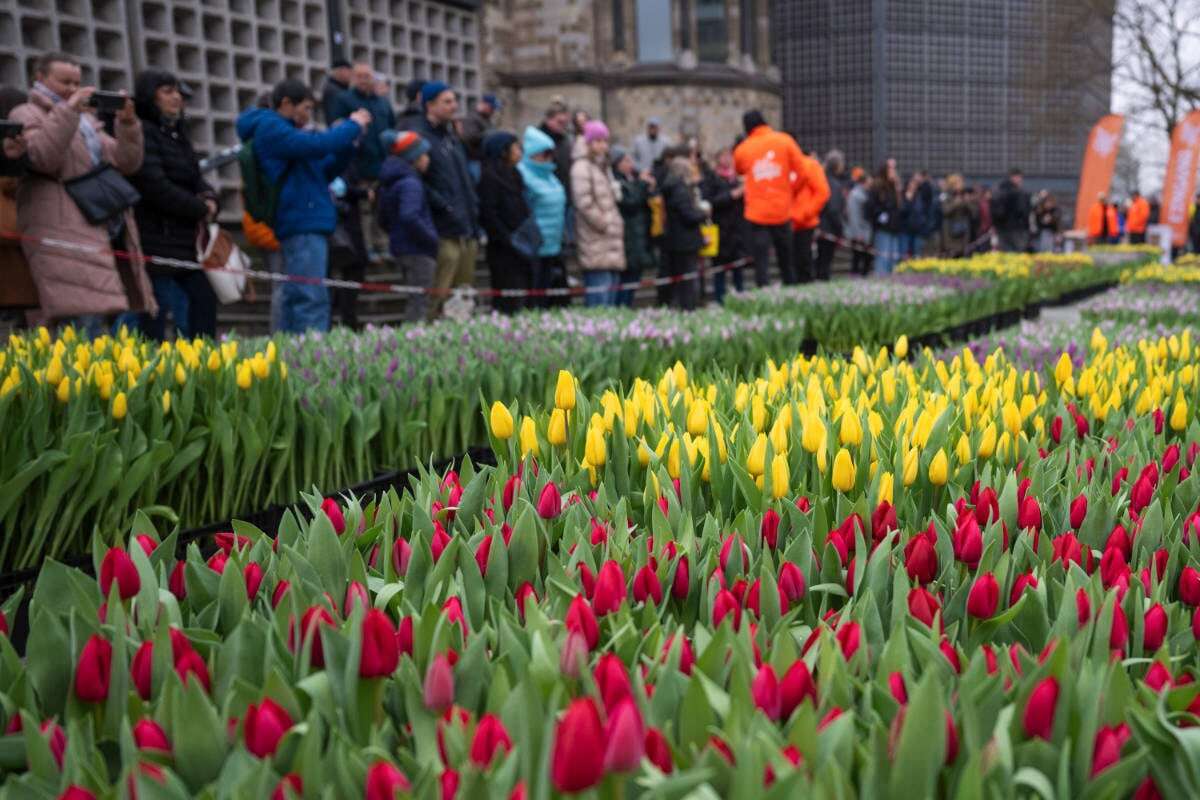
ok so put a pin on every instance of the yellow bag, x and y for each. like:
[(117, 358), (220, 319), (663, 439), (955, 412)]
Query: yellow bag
[(712, 240), (658, 216)]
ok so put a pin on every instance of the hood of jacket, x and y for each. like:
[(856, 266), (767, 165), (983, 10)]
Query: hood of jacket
[(250, 121), (536, 141), (395, 169)]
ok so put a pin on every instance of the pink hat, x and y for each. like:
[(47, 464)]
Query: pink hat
[(594, 130)]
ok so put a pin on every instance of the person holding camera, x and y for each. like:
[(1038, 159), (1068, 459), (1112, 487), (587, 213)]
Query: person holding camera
[(175, 200), (76, 190)]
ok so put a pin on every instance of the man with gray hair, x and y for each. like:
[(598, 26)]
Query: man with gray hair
[(648, 147), (833, 216)]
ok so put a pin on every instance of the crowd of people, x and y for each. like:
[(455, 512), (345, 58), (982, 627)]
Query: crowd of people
[(330, 186)]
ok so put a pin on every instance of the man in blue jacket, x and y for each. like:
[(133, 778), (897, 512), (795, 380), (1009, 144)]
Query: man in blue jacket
[(303, 163), (451, 193)]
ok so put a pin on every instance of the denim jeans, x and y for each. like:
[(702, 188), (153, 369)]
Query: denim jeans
[(602, 287), (722, 276), (189, 299), (305, 307), (888, 252), (912, 245)]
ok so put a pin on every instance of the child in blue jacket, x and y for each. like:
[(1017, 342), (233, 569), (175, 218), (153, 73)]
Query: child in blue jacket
[(404, 213)]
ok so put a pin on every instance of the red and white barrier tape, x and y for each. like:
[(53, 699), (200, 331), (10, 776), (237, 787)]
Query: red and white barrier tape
[(370, 286)]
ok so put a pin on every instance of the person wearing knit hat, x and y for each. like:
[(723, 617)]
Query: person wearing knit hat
[(431, 90), (599, 229), (512, 232), (615, 154), (405, 214)]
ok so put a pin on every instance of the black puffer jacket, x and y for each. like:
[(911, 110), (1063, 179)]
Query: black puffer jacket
[(448, 184), (170, 183), (502, 208), (684, 216)]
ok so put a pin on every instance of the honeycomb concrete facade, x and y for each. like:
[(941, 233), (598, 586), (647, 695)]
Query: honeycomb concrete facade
[(230, 51)]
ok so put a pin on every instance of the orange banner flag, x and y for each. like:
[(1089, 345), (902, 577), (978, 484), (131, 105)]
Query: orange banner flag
[(1180, 182), (1098, 164)]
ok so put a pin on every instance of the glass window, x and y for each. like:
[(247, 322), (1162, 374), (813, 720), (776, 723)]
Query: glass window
[(654, 30), (749, 29), (712, 32), (618, 23)]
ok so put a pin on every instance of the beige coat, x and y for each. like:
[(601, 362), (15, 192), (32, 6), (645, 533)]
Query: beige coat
[(72, 283), (599, 229)]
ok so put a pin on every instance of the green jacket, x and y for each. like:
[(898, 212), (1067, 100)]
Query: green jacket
[(633, 202)]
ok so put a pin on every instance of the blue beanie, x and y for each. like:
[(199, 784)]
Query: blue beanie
[(431, 90), (496, 144)]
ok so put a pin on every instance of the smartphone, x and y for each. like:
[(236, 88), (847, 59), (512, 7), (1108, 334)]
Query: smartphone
[(10, 129), (108, 101)]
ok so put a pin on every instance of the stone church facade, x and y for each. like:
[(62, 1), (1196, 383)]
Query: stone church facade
[(695, 64)]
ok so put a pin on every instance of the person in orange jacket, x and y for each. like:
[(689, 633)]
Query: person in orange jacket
[(768, 160), (811, 195), (1102, 223), (1137, 218)]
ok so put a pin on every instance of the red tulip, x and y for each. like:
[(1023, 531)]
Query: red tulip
[(93, 672), (984, 597), (581, 618), (791, 584), (951, 739), (1026, 580), (883, 520), (380, 650), (356, 595), (1067, 548), (253, 575), (967, 542), (922, 605), (449, 781), (1079, 507), (1107, 748), (1170, 458), (118, 566), (148, 544), (452, 609), (141, 667), (334, 512), (226, 541), (765, 691), (217, 562), (56, 738), (1081, 426), (482, 551), (1056, 426), (1083, 607), (490, 736), (265, 724), (1029, 514), (573, 656), (511, 487), (897, 688), (770, 528), (384, 781), (625, 735), (687, 659), (797, 685), (148, 735), (610, 591), (439, 542), (289, 786), (951, 654), (1120, 629), (439, 684), (310, 623), (647, 585), (1159, 677), (187, 663), (1038, 719), (612, 681), (1142, 494), (74, 792), (1112, 567), (727, 550), (1147, 790), (726, 605), (577, 761), (549, 503), (1189, 586), (849, 636), (920, 559), (658, 751), (277, 595), (525, 594), (681, 583), (404, 636), (1156, 628), (176, 582)]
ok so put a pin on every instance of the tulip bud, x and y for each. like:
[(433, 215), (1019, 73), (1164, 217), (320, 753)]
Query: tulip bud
[(564, 391), (1189, 586), (920, 559), (74, 792), (1083, 607), (769, 529), (501, 421), (118, 566), (1158, 677), (1119, 635), (290, 787), (439, 684), (765, 691), (843, 471), (380, 654), (1029, 514), (726, 605), (576, 762), (923, 606), (681, 583), (574, 655), (1026, 580), (984, 597), (93, 672), (849, 637), (939, 468), (314, 617), (658, 751), (549, 503), (626, 738), (1106, 750), (647, 585), (264, 726), (556, 430), (967, 542), (791, 583), (253, 576), (334, 512), (897, 688), (148, 735), (490, 736), (797, 685), (384, 781), (780, 476), (1038, 718), (1155, 628)]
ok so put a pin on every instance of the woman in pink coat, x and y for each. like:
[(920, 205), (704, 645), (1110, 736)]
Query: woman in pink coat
[(65, 141)]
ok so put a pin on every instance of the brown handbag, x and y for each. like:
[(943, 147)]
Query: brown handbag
[(17, 289)]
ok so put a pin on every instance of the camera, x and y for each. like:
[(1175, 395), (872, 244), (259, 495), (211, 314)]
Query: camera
[(108, 101), (10, 129)]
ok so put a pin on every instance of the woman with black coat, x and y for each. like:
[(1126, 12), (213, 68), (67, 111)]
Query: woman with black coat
[(502, 212), (885, 210), (722, 188), (176, 200), (682, 239)]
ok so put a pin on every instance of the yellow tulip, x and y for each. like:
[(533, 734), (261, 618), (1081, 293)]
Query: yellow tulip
[(564, 391), (758, 413), (813, 435), (180, 374), (987, 442), (901, 348), (54, 372), (780, 477), (697, 419), (1099, 343), (120, 406), (643, 453), (244, 376), (1179, 413), (939, 468), (283, 370), (502, 421), (214, 361), (851, 432), (843, 471), (64, 390), (260, 366), (912, 460), (673, 459), (594, 448), (557, 432), (1064, 369), (886, 487), (166, 402), (963, 448), (271, 352), (529, 441), (756, 462)]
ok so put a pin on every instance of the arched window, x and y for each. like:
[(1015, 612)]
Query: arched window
[(712, 31), (654, 31)]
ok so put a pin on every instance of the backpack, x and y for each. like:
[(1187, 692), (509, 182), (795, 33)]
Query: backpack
[(260, 195)]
